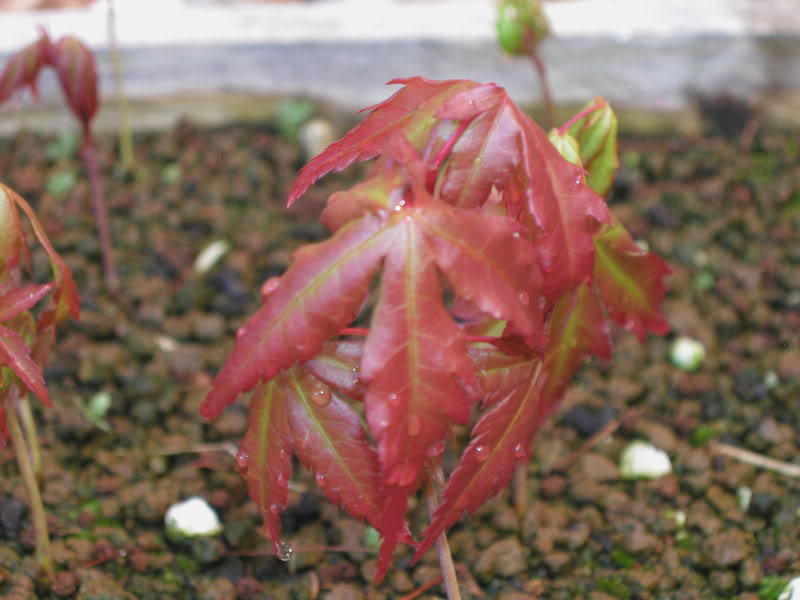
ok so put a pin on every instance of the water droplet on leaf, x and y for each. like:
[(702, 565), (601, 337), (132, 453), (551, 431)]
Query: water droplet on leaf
[(240, 332), (285, 551), (270, 285), (241, 460), (393, 400), (436, 449), (481, 453), (524, 298), (414, 425), (275, 509), (321, 395), (404, 474), (520, 452), (321, 481)]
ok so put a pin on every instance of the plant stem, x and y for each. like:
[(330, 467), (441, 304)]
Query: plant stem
[(31, 437), (442, 547), (89, 156), (547, 97), (125, 140), (21, 450), (521, 496)]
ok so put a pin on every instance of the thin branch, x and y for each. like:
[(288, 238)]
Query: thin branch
[(547, 96), (757, 460), (431, 494), (89, 156)]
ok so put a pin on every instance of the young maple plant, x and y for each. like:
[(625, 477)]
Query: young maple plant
[(75, 67), (25, 342), (500, 267)]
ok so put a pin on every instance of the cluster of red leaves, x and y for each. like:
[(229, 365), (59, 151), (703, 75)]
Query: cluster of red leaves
[(25, 340), (74, 65), (469, 201)]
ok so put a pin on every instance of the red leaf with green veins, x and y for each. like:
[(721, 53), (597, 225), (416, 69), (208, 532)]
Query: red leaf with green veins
[(22, 298), (331, 442), (631, 282), (265, 456), (487, 152), (319, 295), (23, 68), (499, 372), (563, 207), (499, 440), (489, 262), (578, 329), (77, 73), (15, 355), (415, 360), (410, 110), (337, 366)]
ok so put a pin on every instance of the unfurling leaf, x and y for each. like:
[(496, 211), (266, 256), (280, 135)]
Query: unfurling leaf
[(77, 73), (596, 136), (23, 68)]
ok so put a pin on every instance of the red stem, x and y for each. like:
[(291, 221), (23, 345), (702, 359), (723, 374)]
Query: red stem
[(547, 96), (443, 152), (584, 113), (89, 156)]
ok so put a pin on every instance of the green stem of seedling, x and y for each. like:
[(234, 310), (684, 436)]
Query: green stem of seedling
[(431, 493), (21, 450), (127, 161), (31, 437), (547, 96), (89, 156)]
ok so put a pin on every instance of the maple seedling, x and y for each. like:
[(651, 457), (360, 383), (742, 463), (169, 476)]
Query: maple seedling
[(500, 268), (521, 28), (76, 70), (25, 342)]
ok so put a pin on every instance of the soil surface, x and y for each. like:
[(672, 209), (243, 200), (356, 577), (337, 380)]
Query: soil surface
[(724, 213)]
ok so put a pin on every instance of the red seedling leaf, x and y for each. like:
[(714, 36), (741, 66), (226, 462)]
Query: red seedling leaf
[(631, 282), (490, 264), (23, 68), (319, 295), (77, 73), (15, 355), (578, 329), (487, 152), (331, 442), (337, 366), (265, 456), (563, 206), (22, 298), (499, 440), (410, 110), (505, 149)]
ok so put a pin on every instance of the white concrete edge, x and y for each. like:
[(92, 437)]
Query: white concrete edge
[(155, 23)]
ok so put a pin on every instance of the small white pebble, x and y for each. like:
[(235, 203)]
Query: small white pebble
[(210, 255), (687, 354), (191, 518), (743, 497), (315, 136), (771, 380), (642, 460), (791, 591)]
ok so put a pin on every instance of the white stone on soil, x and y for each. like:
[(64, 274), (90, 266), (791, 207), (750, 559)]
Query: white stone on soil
[(642, 460), (210, 255), (687, 354), (192, 518), (791, 591)]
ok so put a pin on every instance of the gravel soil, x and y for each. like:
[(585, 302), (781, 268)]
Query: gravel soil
[(725, 214)]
